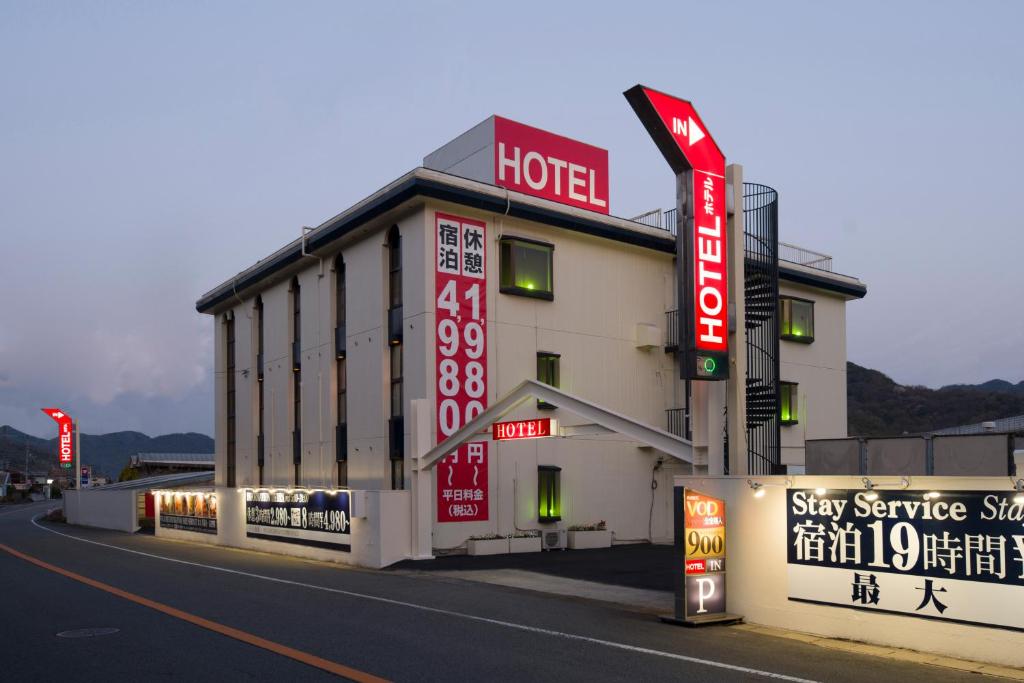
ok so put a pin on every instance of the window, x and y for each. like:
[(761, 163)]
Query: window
[(260, 441), (394, 268), (549, 493), (547, 373), (526, 268), (341, 427), (396, 424), (229, 348), (297, 380), (788, 403), (796, 319)]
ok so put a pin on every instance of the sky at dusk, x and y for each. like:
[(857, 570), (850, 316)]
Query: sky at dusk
[(149, 151)]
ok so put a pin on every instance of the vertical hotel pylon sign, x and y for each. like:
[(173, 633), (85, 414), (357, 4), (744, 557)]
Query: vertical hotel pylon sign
[(65, 436), (701, 251)]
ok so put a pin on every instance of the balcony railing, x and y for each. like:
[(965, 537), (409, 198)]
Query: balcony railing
[(666, 220), (679, 423), (804, 257), (671, 330)]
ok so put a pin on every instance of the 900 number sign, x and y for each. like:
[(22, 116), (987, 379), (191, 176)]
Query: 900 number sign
[(461, 377)]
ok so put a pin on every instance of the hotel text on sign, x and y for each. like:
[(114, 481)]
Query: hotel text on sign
[(699, 165), (524, 429), (460, 280), (65, 436), (536, 162)]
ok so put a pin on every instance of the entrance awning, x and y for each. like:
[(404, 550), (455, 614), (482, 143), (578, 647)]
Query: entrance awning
[(670, 444)]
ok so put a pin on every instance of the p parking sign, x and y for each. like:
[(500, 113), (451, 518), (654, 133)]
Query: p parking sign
[(701, 559)]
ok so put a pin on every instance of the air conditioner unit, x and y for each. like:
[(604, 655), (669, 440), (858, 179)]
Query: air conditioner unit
[(552, 539)]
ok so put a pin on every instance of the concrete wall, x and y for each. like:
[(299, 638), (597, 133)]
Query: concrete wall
[(380, 536), (102, 509), (820, 370), (757, 575)]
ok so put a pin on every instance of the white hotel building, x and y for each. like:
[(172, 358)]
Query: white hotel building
[(323, 346)]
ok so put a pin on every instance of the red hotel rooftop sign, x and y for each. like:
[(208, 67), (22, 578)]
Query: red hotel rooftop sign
[(508, 154), (524, 429), (534, 161)]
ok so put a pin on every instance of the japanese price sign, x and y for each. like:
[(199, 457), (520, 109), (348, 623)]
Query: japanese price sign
[(314, 517), (461, 354), (699, 165), (703, 543), (957, 557), (65, 438)]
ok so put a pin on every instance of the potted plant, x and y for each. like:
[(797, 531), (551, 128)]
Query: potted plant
[(525, 542), (583, 536), (488, 544)]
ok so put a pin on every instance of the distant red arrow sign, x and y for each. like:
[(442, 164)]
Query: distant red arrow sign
[(65, 441)]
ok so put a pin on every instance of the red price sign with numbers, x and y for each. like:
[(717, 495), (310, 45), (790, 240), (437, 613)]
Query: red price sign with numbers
[(461, 378)]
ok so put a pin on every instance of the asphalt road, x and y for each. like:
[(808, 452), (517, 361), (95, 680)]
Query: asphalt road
[(394, 625)]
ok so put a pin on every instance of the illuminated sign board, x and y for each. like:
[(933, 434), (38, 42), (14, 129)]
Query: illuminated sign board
[(701, 246), (65, 436), (308, 517), (460, 290), (502, 152), (700, 549), (524, 429), (956, 557), (534, 161), (188, 511)]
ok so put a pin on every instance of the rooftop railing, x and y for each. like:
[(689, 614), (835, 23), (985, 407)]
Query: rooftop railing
[(666, 220), (804, 257)]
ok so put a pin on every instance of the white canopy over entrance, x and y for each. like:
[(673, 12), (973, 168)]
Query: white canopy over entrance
[(426, 455)]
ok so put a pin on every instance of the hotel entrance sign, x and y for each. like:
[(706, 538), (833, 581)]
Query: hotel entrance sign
[(65, 436), (700, 551), (699, 165)]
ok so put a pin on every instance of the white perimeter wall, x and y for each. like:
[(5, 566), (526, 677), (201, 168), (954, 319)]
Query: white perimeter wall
[(380, 530), (757, 578), (103, 509)]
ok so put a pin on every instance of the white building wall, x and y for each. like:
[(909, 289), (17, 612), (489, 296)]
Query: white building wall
[(820, 370), (603, 289)]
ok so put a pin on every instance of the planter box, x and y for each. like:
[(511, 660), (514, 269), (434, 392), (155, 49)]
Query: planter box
[(580, 540), (524, 545), (495, 546)]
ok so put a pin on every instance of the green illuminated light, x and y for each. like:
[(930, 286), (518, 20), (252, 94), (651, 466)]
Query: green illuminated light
[(710, 365)]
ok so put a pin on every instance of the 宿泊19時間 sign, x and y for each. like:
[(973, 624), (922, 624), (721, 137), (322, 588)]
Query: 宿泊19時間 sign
[(460, 280), (957, 557), (701, 246)]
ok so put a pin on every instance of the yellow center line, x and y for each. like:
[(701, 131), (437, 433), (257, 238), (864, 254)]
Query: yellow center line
[(244, 636)]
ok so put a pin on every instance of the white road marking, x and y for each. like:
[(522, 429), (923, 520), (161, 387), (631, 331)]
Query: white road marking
[(450, 613)]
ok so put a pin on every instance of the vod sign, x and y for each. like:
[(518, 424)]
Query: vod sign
[(702, 537)]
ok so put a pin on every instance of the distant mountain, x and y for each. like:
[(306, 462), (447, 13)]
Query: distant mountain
[(878, 406), (106, 453), (999, 386)]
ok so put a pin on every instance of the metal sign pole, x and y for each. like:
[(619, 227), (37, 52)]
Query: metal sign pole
[(78, 456)]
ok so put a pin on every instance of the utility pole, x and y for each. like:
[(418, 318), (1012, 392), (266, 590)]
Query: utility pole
[(78, 456)]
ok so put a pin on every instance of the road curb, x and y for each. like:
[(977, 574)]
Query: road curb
[(896, 654)]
